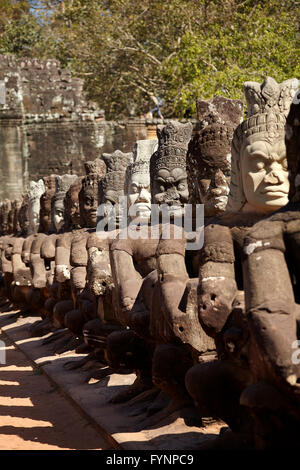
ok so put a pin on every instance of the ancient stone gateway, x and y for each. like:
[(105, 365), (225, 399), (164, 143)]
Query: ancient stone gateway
[(47, 126)]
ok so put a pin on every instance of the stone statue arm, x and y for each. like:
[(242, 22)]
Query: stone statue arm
[(217, 287), (172, 279), (99, 274), (21, 272), (270, 304), (37, 265), (6, 256), (127, 281), (48, 247), (62, 257), (26, 249), (171, 269), (78, 260)]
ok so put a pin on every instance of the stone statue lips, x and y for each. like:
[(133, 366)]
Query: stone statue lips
[(274, 191), (142, 206), (93, 215)]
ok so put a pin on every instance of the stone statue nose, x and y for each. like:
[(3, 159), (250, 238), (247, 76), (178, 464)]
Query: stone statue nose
[(219, 178), (274, 177), (172, 193), (217, 191), (143, 195)]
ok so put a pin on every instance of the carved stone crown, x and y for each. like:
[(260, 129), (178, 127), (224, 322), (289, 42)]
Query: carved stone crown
[(292, 141), (116, 165), (217, 120), (63, 183), (268, 106), (74, 189), (117, 161), (50, 184), (215, 132), (174, 134), (142, 152), (220, 110), (36, 189), (90, 181), (272, 124), (114, 181), (96, 166), (144, 149), (172, 147), (141, 166), (270, 96)]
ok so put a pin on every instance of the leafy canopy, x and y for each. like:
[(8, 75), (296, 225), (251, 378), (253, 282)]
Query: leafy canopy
[(179, 49)]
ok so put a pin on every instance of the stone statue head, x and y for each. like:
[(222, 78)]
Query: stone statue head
[(23, 214), (168, 167), (90, 195), (16, 206), (45, 203), (5, 210), (259, 177), (10, 218), (63, 183), (209, 155), (36, 190), (71, 204), (138, 180), (114, 183), (292, 141)]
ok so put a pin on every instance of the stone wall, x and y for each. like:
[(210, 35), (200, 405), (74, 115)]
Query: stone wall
[(47, 126)]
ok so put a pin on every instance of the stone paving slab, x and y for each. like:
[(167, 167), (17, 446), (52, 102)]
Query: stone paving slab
[(123, 425)]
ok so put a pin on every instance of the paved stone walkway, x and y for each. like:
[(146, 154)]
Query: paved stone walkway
[(34, 415)]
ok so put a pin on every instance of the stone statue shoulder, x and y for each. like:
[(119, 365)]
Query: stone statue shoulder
[(65, 239), (78, 256)]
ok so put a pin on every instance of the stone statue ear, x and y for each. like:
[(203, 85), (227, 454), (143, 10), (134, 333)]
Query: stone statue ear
[(236, 198)]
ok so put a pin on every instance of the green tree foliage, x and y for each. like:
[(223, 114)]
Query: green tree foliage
[(179, 49), (18, 29)]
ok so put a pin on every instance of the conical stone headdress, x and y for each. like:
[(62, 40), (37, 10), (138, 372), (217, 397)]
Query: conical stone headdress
[(116, 171), (268, 106), (173, 141)]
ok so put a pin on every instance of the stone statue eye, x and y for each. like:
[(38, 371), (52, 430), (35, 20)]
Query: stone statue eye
[(182, 186), (134, 188), (260, 165), (161, 188)]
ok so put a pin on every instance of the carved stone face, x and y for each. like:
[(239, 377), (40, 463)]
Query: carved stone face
[(58, 214), (111, 205), (171, 188), (36, 189), (139, 197), (45, 204), (214, 190), (264, 174), (23, 216), (74, 212), (34, 214), (71, 205), (45, 212), (89, 207)]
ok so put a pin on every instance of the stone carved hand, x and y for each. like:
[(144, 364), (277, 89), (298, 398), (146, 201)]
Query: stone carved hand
[(172, 288), (215, 301), (129, 291)]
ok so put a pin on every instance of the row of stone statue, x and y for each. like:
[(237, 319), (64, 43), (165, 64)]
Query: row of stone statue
[(214, 328)]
